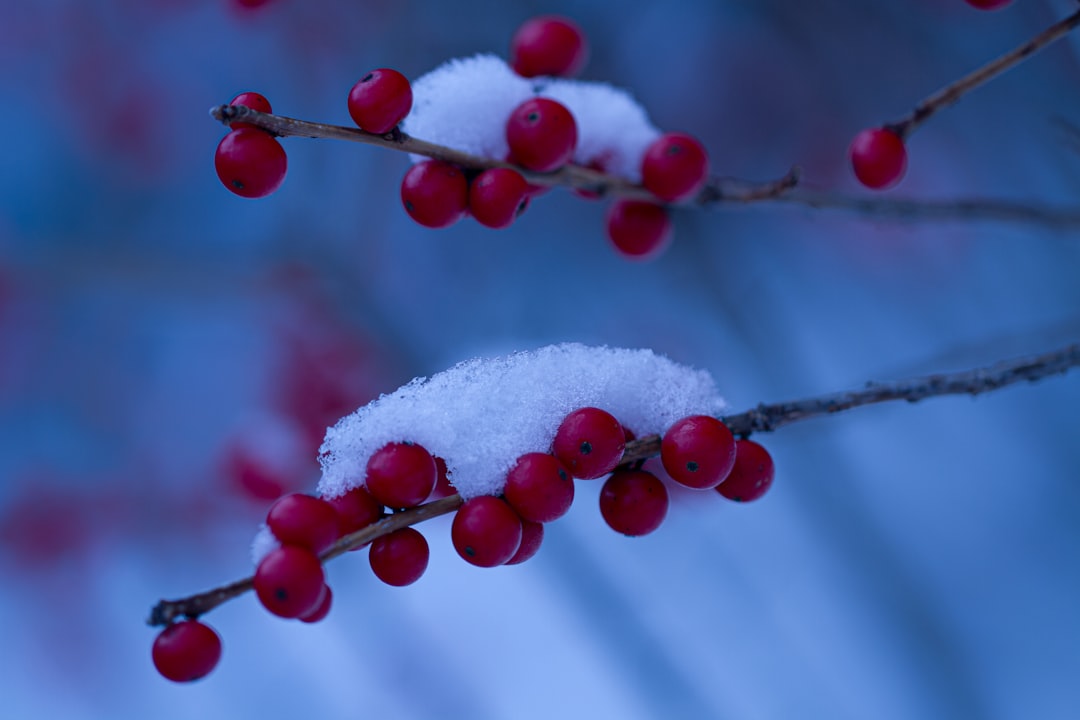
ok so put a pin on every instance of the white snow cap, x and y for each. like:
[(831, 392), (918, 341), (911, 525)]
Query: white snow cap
[(482, 414), (613, 129), (465, 103)]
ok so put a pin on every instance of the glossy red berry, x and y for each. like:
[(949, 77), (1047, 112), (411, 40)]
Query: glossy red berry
[(988, 4), (435, 193), (542, 134), (250, 162), (698, 451), (532, 536), (539, 488), (486, 531), (401, 474), (303, 520), (322, 609), (633, 502), (497, 196), (400, 558), (589, 442), (355, 509), (253, 100), (380, 100), (638, 230), (443, 486), (752, 475), (548, 45), (878, 157), (675, 167), (289, 581), (186, 651)]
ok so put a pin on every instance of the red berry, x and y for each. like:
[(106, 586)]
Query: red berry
[(674, 167), (639, 230), (380, 100), (289, 581), (186, 651), (250, 4), (435, 193), (698, 451), (401, 474), (250, 162), (589, 442), (320, 611), (355, 509), (878, 157), (400, 558), (539, 488), (253, 100), (752, 475), (303, 520), (532, 535), (988, 4), (633, 502), (548, 45), (486, 531), (443, 486), (542, 135), (497, 196)]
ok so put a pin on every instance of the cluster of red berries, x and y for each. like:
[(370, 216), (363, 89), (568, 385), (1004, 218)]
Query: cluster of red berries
[(878, 155), (487, 531), (541, 133)]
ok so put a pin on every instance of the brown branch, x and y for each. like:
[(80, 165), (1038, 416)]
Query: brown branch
[(954, 91), (716, 190), (960, 209), (763, 418)]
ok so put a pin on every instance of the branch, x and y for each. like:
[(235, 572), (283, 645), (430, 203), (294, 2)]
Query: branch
[(763, 418), (954, 91), (717, 190), (959, 209)]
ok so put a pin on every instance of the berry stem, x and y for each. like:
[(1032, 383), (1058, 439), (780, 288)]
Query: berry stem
[(954, 91), (717, 190), (763, 418)]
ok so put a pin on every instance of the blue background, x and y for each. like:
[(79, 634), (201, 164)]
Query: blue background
[(910, 561)]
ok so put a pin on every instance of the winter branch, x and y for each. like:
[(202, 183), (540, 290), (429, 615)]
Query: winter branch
[(717, 190), (763, 418), (954, 91)]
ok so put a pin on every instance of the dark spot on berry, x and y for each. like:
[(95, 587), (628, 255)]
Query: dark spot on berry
[(367, 77), (237, 184), (563, 475), (586, 447), (409, 206), (469, 551), (533, 117), (737, 498), (674, 149), (281, 594), (692, 466), (521, 208)]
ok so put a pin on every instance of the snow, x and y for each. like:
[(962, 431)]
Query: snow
[(264, 543), (465, 103), (613, 129), (482, 414)]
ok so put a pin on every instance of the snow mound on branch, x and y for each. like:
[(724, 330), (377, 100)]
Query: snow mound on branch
[(482, 414), (613, 129), (464, 104)]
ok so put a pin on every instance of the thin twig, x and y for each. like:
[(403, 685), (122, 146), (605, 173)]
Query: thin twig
[(716, 190), (951, 93), (958, 209), (763, 418)]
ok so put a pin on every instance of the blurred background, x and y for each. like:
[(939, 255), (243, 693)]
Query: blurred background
[(170, 355)]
